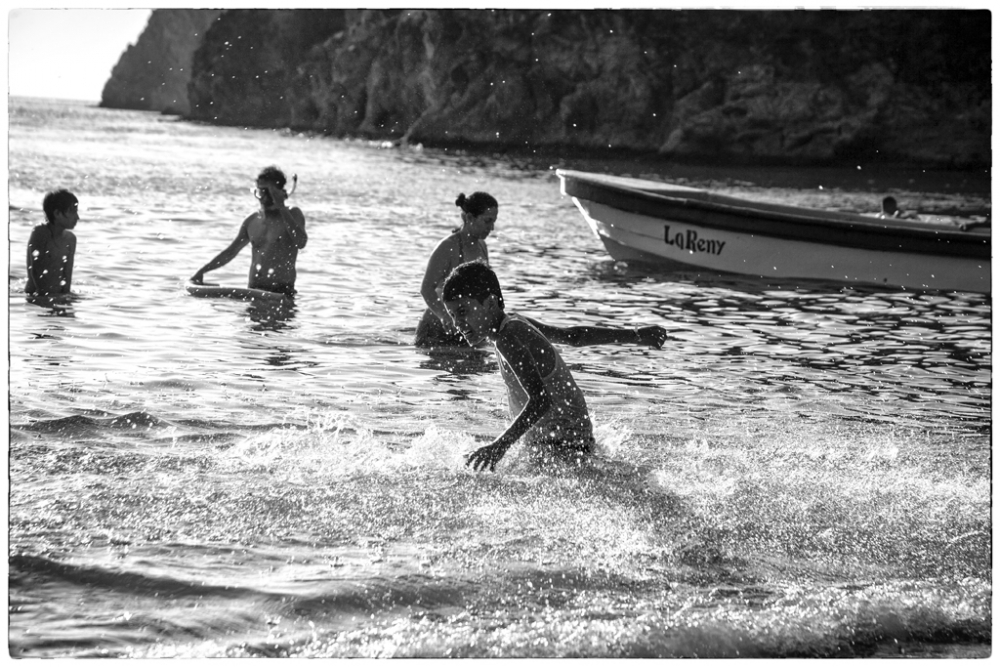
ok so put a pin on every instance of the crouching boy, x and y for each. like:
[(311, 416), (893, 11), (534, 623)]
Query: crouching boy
[(548, 407)]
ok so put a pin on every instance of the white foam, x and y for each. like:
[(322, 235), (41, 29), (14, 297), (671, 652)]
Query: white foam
[(339, 449)]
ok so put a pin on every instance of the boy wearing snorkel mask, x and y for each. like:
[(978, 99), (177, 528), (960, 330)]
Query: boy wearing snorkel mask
[(275, 233)]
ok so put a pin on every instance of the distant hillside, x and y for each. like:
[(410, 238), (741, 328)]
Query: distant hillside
[(788, 87), (153, 74)]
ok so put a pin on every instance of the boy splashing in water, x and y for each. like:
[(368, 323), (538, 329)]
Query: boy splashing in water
[(548, 407)]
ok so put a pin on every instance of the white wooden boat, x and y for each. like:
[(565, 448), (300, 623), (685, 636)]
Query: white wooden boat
[(685, 229)]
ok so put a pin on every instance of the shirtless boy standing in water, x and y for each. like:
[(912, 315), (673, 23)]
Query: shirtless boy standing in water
[(52, 246), (275, 233), (547, 405)]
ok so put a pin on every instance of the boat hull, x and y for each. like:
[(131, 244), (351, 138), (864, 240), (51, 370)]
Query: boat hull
[(679, 231)]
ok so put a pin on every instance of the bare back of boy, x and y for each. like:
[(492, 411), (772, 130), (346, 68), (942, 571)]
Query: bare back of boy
[(50, 261), (527, 358), (549, 408)]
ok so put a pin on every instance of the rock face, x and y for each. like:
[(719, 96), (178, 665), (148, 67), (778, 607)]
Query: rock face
[(245, 69), (153, 74), (751, 86)]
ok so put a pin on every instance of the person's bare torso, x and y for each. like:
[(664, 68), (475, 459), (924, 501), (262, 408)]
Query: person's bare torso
[(273, 252), (52, 257)]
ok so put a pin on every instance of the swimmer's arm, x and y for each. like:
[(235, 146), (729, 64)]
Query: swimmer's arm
[(35, 264), (294, 221), (516, 355), (227, 255), (68, 268), (437, 270), (653, 336)]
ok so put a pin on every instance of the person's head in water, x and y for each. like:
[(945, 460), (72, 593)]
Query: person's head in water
[(269, 176), (60, 206), (473, 299), (889, 206), (479, 213)]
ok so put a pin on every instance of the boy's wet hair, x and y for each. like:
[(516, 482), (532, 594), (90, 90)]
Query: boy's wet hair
[(472, 280), (477, 203), (58, 201), (272, 174)]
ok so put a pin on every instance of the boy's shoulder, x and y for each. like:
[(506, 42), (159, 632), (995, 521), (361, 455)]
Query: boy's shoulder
[(526, 350), (41, 232), (516, 327)]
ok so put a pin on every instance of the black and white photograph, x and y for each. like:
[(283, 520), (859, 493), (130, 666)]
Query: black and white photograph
[(596, 332)]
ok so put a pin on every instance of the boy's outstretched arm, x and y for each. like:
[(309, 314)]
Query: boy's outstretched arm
[(516, 355), (226, 256), (653, 336)]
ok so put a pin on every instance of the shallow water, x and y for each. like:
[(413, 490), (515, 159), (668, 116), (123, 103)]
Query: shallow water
[(802, 470)]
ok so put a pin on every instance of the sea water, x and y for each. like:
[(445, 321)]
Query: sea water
[(802, 470)]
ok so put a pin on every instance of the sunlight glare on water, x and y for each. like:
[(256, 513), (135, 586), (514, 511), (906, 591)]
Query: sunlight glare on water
[(802, 470)]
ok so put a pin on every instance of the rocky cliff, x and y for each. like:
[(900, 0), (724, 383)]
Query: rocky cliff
[(245, 69), (153, 74), (780, 86)]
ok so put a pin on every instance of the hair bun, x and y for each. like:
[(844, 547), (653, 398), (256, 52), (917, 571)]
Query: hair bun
[(460, 202)]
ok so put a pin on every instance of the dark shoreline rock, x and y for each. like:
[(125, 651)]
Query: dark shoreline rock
[(153, 74), (721, 86)]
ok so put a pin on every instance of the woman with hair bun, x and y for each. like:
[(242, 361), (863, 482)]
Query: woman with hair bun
[(465, 244)]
